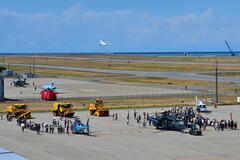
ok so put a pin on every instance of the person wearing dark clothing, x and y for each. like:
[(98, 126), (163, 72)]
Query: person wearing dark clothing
[(46, 127), (38, 128), (128, 117), (65, 123), (235, 125), (232, 123), (134, 114), (52, 129), (149, 122), (222, 125), (225, 124), (229, 124), (68, 126)]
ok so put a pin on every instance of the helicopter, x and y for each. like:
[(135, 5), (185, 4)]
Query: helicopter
[(201, 106), (79, 127)]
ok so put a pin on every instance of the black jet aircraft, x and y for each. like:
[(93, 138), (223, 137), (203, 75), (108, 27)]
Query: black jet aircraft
[(19, 83), (163, 121)]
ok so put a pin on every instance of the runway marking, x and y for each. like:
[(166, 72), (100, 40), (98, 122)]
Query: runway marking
[(89, 90)]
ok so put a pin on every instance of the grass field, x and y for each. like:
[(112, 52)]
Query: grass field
[(228, 74), (165, 81), (224, 87), (58, 72), (91, 63), (43, 106), (224, 59)]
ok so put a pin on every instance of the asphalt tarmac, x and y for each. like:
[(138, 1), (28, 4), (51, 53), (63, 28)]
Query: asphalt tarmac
[(176, 75), (75, 88), (115, 140)]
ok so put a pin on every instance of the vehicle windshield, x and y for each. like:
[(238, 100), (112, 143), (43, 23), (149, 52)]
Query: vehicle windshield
[(21, 107), (67, 106)]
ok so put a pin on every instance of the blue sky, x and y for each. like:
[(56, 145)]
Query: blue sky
[(129, 25)]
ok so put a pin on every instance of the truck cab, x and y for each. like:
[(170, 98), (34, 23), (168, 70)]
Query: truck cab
[(48, 95)]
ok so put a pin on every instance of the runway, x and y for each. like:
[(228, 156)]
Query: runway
[(165, 62), (176, 75)]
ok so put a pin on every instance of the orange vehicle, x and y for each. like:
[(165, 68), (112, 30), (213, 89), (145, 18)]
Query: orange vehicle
[(19, 111), (97, 108)]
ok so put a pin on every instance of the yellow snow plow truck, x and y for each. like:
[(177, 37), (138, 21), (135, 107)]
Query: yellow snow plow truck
[(97, 108), (19, 111), (63, 109)]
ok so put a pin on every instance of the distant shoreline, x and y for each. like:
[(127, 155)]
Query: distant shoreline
[(199, 53)]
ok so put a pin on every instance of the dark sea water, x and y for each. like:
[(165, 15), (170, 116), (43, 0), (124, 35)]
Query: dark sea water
[(210, 54)]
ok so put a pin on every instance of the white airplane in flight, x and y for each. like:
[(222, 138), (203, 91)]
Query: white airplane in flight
[(103, 43)]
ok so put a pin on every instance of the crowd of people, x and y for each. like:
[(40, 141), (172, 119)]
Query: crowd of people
[(66, 127), (185, 114), (189, 116)]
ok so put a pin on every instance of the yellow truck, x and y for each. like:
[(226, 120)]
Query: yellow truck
[(96, 108), (63, 109), (19, 111)]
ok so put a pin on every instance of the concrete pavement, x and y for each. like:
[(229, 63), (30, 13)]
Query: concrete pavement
[(115, 140)]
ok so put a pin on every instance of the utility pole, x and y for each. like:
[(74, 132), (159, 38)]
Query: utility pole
[(33, 65), (3, 59), (216, 100), (30, 70)]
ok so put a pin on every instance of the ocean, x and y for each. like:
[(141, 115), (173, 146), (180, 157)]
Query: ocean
[(154, 54)]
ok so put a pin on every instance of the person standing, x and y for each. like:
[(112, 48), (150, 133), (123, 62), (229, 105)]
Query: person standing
[(67, 126), (22, 126), (65, 123), (1, 116), (135, 114), (128, 117)]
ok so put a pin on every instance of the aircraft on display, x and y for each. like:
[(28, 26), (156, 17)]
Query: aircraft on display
[(79, 127), (164, 121), (19, 82), (103, 43), (201, 106), (49, 86)]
